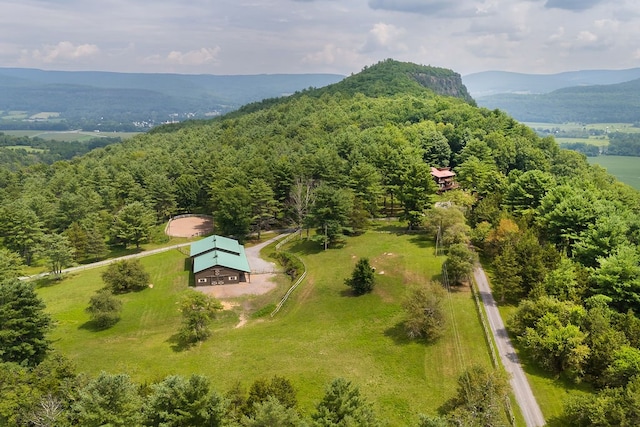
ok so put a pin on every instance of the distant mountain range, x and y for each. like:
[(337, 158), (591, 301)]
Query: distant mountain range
[(499, 82), (126, 97), (588, 96), (135, 101)]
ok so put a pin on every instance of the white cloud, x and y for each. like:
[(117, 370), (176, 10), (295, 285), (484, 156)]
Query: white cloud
[(385, 37), (332, 54), (270, 36), (63, 52), (191, 58), (587, 37), (194, 57)]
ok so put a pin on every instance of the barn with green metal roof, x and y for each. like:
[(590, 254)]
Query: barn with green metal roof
[(219, 260)]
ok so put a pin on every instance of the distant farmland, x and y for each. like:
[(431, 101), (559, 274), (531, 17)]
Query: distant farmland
[(625, 168)]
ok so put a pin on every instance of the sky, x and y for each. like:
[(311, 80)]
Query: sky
[(318, 36)]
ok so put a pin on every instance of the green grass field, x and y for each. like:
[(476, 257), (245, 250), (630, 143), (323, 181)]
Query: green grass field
[(322, 332), (27, 148), (625, 168), (70, 135), (598, 141), (569, 127)]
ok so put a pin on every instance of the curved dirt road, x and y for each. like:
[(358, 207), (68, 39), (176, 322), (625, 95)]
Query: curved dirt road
[(521, 389)]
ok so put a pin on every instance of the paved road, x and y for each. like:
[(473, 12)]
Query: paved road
[(524, 396)]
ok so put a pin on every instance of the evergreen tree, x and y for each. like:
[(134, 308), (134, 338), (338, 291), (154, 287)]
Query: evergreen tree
[(273, 413), (507, 274), (111, 400), (23, 324), (264, 206), (177, 401), (10, 265), (362, 279), (344, 406), (232, 215), (133, 224), (331, 212)]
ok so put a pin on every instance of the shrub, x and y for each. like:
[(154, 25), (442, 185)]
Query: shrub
[(104, 308), (125, 276)]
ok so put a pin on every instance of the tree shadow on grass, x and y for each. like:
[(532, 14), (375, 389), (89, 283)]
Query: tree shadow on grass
[(179, 345), (388, 228), (422, 240), (349, 293), (93, 326), (47, 281), (399, 336), (306, 247)]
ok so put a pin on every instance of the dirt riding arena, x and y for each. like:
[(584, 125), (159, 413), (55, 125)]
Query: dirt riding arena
[(189, 226)]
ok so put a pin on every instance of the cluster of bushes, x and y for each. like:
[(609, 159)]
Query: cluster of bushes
[(292, 265)]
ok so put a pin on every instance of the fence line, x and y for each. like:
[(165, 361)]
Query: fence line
[(298, 281), (287, 239), (291, 289)]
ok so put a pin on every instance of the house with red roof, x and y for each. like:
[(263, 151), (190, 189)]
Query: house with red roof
[(444, 177)]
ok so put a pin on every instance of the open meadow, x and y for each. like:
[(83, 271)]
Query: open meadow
[(625, 168), (69, 136), (322, 332)]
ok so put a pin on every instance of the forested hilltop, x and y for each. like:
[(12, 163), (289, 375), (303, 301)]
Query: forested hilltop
[(614, 103), (562, 235)]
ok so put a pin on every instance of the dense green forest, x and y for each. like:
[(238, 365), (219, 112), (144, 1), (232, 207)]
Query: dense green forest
[(17, 152), (562, 236), (616, 103)]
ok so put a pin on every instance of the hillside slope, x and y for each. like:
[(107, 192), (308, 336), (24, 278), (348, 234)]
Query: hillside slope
[(142, 96), (618, 103)]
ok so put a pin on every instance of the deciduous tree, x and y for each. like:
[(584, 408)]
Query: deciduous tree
[(104, 308), (58, 251), (198, 310), (480, 398), (125, 276), (460, 262), (424, 314)]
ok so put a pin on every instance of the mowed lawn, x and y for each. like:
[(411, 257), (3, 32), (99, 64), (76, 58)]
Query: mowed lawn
[(323, 331), (625, 168)]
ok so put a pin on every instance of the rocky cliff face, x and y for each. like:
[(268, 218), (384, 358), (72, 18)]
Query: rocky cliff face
[(450, 85)]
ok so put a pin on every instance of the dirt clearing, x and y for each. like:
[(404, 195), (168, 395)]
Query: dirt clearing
[(196, 225)]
